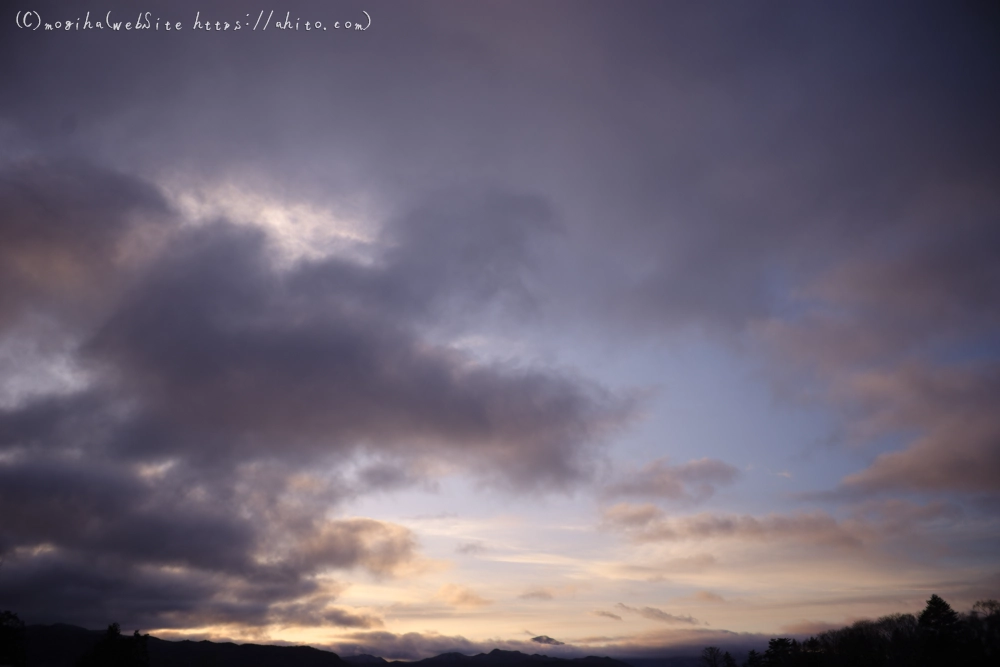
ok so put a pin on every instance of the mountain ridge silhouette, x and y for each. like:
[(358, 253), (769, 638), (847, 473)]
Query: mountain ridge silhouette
[(62, 645)]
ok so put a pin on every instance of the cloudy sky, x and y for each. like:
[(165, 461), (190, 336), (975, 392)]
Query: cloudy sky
[(634, 325)]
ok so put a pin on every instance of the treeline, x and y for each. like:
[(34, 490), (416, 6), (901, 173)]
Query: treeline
[(12, 640), (112, 650), (938, 637)]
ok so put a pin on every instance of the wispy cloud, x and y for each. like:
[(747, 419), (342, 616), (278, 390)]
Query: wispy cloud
[(654, 614), (708, 596), (461, 596), (694, 480), (607, 614), (471, 548), (646, 523)]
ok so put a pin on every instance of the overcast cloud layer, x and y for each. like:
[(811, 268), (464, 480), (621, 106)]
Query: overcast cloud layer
[(616, 328)]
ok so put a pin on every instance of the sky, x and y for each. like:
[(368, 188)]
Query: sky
[(565, 327)]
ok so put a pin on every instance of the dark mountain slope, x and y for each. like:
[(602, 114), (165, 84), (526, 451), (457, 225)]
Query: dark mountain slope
[(364, 659), (58, 645), (209, 654), (62, 645), (498, 658)]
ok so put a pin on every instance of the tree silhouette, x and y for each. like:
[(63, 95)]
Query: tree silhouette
[(113, 650), (12, 640), (938, 617), (983, 627), (940, 631), (711, 657), (939, 637), (780, 652)]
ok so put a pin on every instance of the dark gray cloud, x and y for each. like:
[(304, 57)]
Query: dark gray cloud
[(82, 539), (223, 397), (548, 641), (216, 342), (80, 505), (69, 230), (312, 614)]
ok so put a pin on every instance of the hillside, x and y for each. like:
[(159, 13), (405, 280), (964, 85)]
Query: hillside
[(62, 645)]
